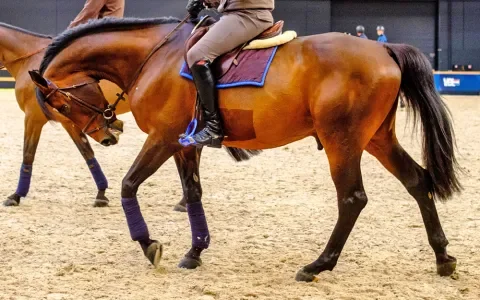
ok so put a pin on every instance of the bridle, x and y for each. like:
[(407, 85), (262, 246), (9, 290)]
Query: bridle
[(3, 66), (109, 112)]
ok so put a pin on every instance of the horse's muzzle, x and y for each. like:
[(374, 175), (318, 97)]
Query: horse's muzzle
[(116, 125), (113, 133)]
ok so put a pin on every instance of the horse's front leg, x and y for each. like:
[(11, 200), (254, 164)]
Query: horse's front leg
[(32, 132), (153, 154), (188, 162), (86, 150)]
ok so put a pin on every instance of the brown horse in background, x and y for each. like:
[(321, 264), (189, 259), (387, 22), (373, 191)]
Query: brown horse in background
[(341, 88), (20, 51)]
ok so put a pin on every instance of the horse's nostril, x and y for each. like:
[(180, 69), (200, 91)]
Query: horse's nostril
[(106, 142)]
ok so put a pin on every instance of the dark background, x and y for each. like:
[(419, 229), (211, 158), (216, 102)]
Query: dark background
[(447, 31)]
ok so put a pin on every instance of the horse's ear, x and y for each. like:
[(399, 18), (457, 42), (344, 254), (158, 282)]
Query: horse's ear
[(39, 80)]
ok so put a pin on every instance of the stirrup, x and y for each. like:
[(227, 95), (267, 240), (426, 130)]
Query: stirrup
[(186, 139), (213, 140)]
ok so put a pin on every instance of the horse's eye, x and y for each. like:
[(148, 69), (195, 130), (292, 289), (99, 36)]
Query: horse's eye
[(65, 109)]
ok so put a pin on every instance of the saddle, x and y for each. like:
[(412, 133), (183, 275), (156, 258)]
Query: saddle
[(223, 64)]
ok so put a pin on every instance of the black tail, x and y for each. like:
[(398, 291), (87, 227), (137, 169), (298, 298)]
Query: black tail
[(419, 91), (242, 154)]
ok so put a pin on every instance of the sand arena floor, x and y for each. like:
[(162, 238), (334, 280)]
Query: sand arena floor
[(268, 217)]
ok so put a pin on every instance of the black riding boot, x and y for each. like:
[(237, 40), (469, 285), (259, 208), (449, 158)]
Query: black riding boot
[(212, 134)]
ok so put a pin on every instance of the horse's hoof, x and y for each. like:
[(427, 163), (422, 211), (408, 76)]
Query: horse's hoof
[(190, 263), (154, 253), (100, 203), (304, 276), (447, 267), (12, 200), (101, 200), (180, 208)]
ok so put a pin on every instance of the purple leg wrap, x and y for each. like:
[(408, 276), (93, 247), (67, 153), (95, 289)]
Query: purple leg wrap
[(198, 224), (24, 180), (98, 176), (136, 223)]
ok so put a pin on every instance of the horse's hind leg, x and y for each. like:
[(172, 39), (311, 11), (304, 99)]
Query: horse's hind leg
[(86, 150), (346, 174), (188, 162), (32, 132), (385, 147)]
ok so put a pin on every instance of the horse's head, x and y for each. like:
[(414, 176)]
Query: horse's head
[(83, 103)]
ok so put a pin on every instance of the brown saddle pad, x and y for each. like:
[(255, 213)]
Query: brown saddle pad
[(222, 64)]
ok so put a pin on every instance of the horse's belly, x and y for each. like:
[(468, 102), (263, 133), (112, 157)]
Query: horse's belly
[(264, 128)]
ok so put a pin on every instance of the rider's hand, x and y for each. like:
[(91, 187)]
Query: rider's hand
[(194, 7)]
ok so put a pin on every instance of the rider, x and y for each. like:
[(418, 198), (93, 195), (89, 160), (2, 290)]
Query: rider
[(242, 20), (382, 38), (98, 9), (361, 32)]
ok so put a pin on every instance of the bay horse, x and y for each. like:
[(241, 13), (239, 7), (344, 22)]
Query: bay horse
[(341, 88), (22, 50)]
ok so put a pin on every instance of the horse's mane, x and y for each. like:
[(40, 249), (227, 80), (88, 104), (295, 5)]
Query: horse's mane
[(25, 31), (98, 26)]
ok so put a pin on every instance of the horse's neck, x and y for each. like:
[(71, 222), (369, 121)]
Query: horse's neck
[(15, 45), (125, 54)]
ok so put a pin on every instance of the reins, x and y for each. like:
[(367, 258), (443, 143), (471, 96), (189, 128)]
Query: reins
[(139, 70), (22, 57), (109, 112), (154, 50)]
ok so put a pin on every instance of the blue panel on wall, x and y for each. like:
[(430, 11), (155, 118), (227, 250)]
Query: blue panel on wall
[(458, 83)]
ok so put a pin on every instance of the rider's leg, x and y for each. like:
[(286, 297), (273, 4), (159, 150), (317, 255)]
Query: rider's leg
[(232, 30)]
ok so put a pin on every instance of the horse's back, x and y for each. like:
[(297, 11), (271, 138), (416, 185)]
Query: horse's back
[(339, 50)]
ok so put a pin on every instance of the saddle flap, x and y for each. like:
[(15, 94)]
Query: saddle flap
[(225, 62)]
